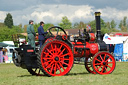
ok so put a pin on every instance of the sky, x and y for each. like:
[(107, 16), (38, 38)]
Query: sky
[(52, 11)]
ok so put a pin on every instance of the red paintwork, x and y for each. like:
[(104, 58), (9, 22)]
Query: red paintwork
[(50, 39), (64, 37), (92, 46), (92, 37)]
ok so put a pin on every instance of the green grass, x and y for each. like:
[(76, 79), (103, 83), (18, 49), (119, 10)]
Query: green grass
[(12, 75)]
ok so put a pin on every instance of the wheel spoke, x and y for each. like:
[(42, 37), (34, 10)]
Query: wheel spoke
[(49, 64), (109, 66), (98, 60), (61, 66), (97, 64), (60, 47), (51, 68), (66, 59), (58, 67), (49, 51), (46, 62), (106, 69), (55, 49), (107, 59), (55, 69), (110, 62), (46, 58), (62, 51), (89, 66), (65, 54), (101, 57), (65, 63), (102, 69), (98, 67), (104, 57), (39, 71), (45, 53), (52, 47), (35, 70)]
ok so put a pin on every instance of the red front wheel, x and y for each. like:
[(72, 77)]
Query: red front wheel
[(56, 58), (103, 63)]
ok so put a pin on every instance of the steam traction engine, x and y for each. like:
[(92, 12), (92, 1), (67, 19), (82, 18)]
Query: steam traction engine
[(56, 56)]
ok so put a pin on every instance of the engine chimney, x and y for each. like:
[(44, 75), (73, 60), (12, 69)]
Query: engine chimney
[(98, 28)]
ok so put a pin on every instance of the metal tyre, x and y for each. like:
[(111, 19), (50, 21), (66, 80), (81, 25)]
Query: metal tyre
[(55, 58), (103, 63), (88, 65)]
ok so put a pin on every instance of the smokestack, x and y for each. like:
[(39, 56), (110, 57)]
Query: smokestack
[(98, 28)]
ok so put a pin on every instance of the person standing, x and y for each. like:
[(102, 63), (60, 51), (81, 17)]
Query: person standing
[(31, 34), (41, 33)]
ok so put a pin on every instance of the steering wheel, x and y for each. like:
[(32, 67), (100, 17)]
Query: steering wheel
[(58, 29)]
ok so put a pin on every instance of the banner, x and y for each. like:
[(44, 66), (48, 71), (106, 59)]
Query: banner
[(113, 40), (1, 56), (9, 57)]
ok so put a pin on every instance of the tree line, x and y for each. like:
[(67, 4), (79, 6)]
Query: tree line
[(7, 29)]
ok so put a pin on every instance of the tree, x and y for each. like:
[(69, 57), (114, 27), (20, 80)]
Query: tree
[(124, 21), (25, 28), (6, 33), (108, 25), (65, 23), (113, 24), (36, 27), (82, 25), (76, 25), (123, 24), (46, 26), (20, 25), (8, 20)]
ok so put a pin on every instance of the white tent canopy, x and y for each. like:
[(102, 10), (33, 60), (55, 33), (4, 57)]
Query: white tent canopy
[(114, 40)]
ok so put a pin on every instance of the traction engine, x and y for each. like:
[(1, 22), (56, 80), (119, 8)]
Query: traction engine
[(56, 56)]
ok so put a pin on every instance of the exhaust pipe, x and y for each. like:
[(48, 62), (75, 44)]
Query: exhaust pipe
[(98, 27)]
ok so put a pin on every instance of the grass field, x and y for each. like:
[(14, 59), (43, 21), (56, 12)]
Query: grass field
[(12, 75)]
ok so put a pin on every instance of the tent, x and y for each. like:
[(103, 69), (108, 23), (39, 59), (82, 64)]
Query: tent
[(125, 50), (5, 45), (1, 56), (118, 52), (118, 42)]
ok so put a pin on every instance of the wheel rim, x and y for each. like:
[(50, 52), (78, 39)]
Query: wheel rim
[(88, 66), (56, 58), (103, 63), (15, 58)]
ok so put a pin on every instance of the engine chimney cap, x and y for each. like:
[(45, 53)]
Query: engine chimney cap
[(97, 13)]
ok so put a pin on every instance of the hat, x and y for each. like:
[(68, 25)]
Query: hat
[(31, 21)]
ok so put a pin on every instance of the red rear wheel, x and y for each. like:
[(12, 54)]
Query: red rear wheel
[(88, 65), (103, 63), (56, 58)]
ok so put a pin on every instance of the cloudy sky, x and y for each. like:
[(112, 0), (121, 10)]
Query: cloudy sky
[(52, 11)]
